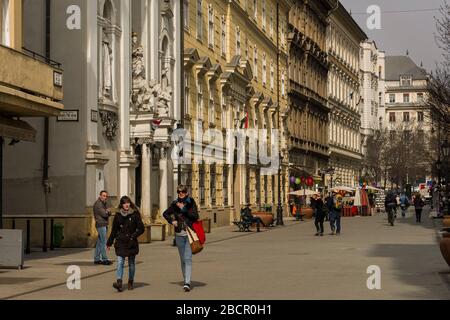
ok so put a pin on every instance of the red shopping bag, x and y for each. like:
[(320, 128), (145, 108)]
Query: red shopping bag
[(198, 228)]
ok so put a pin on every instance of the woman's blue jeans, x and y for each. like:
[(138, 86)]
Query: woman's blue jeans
[(184, 249), (131, 267)]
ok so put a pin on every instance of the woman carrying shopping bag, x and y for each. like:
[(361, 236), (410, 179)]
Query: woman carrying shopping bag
[(182, 213), (127, 227)]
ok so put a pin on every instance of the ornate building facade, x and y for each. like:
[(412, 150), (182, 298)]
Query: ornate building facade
[(121, 66), (308, 119), (372, 88), (343, 43), (235, 67)]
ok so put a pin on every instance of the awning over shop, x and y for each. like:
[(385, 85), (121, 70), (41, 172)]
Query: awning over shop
[(17, 129)]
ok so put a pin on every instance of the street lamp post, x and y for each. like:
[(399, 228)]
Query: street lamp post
[(438, 167)]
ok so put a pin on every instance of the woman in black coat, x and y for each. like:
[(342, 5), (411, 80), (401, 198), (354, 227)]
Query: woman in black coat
[(127, 227), (320, 215), (182, 213)]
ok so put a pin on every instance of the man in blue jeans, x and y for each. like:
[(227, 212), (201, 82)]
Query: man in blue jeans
[(101, 215), (335, 206)]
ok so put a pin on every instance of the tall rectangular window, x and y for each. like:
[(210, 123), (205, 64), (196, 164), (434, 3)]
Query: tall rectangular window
[(238, 41), (405, 116), (406, 97), (186, 93), (266, 190), (255, 9), (225, 185), (199, 20), (210, 26), (264, 14), (212, 183), (255, 63), (258, 186), (223, 37), (391, 116), (420, 116), (272, 76), (224, 110), (212, 108), (5, 29), (264, 70), (392, 98), (201, 183), (186, 14), (199, 100), (283, 84), (271, 23), (420, 97)]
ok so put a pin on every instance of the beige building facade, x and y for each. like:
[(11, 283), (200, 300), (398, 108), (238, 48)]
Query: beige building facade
[(235, 78), (343, 42), (308, 119)]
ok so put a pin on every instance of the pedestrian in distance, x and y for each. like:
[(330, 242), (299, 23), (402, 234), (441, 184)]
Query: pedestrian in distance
[(246, 213), (101, 216), (335, 206), (418, 205), (320, 216), (390, 204), (127, 227), (182, 213), (404, 204)]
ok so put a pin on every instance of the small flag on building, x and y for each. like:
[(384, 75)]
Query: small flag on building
[(155, 124)]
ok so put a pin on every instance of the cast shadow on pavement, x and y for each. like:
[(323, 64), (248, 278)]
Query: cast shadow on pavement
[(407, 259)]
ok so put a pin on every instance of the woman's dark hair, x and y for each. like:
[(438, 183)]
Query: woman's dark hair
[(126, 199)]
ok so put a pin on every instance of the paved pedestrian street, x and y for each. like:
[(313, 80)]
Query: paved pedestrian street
[(286, 262)]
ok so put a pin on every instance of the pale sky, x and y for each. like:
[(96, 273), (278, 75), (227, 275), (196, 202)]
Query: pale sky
[(400, 31)]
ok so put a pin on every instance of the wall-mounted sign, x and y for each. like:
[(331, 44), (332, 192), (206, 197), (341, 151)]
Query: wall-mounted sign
[(94, 115), (68, 115), (57, 78)]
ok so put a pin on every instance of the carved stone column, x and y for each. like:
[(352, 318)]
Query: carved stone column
[(163, 187)]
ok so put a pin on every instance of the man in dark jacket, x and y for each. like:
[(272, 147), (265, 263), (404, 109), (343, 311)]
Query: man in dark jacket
[(246, 213), (320, 215), (182, 213), (390, 204), (101, 215)]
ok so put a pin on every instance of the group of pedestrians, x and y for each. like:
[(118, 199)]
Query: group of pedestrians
[(328, 209), (392, 201), (127, 226)]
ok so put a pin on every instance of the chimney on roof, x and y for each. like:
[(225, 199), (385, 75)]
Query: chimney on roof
[(407, 52)]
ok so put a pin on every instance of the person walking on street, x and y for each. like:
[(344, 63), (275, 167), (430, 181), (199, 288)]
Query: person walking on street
[(418, 205), (335, 214), (127, 227), (390, 204), (404, 203), (182, 213), (101, 216), (320, 216)]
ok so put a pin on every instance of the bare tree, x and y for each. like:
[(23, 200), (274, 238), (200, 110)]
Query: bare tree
[(399, 156), (439, 84)]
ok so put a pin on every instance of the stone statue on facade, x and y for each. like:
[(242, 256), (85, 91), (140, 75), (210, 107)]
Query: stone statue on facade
[(107, 58), (143, 92)]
